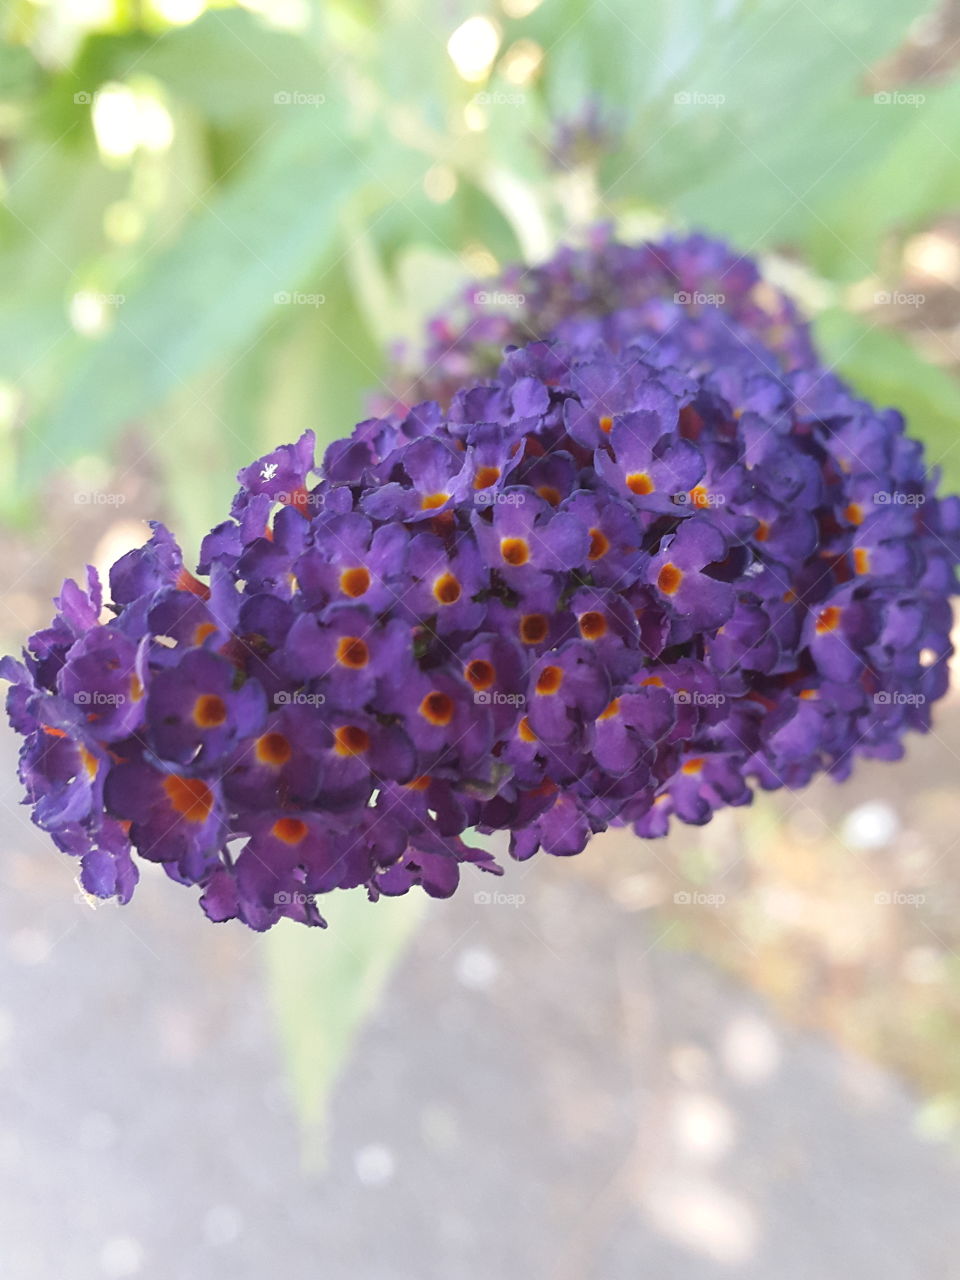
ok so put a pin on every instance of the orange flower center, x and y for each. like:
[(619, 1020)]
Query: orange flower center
[(190, 797), (599, 545), (533, 628), (639, 482), (485, 477), (669, 579), (430, 501), (273, 748), (524, 732), (437, 708), (480, 673), (447, 589), (289, 830), (593, 625), (355, 582), (828, 619), (550, 680), (516, 551), (350, 740), (352, 652), (209, 711)]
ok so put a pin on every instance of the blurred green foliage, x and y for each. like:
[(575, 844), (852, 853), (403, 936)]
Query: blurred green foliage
[(215, 222)]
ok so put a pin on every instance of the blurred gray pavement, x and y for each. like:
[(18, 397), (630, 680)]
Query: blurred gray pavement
[(547, 1092)]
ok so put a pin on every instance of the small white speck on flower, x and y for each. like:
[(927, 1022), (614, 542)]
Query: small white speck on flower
[(870, 826), (374, 1164)]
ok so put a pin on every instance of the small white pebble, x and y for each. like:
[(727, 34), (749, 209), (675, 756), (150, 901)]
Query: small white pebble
[(121, 1256), (374, 1164), (222, 1224), (477, 968), (870, 826)]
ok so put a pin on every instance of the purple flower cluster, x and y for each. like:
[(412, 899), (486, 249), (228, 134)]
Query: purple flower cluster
[(646, 556)]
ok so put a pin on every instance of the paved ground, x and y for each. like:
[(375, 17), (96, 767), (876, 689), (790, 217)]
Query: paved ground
[(546, 1093)]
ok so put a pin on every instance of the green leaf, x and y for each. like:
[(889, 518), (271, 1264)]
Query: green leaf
[(324, 985), (207, 296), (909, 175), (744, 117), (882, 366)]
